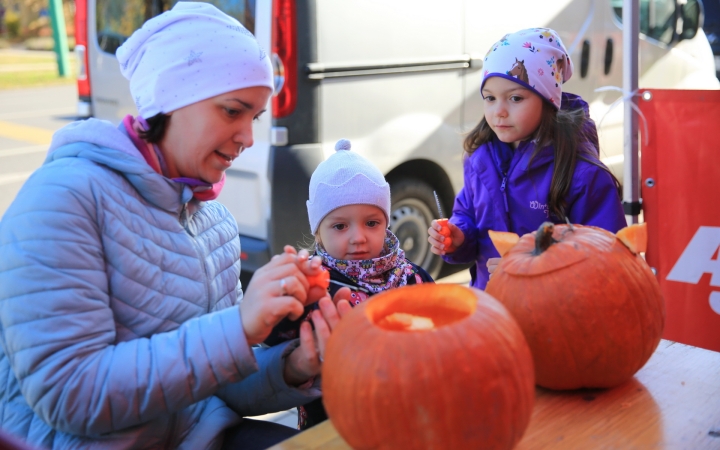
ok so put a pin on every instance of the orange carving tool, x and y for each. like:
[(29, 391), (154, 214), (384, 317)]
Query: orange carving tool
[(445, 229), (322, 279)]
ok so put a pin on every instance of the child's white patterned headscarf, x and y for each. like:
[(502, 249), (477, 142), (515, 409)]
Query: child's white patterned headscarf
[(191, 53), (535, 58)]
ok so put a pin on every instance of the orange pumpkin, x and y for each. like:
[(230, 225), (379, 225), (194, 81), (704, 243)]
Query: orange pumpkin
[(591, 309), (430, 366)]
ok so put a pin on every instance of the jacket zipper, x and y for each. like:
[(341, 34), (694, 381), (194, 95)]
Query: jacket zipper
[(514, 162), (185, 221), (504, 193)]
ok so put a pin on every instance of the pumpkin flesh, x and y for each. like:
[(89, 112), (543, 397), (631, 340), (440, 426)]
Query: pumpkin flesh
[(406, 322), (503, 241), (634, 237)]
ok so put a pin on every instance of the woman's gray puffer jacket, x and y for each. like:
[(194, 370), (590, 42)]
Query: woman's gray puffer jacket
[(119, 317)]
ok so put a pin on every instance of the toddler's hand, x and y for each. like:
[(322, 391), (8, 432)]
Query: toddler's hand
[(306, 360), (444, 237), (342, 300), (492, 264)]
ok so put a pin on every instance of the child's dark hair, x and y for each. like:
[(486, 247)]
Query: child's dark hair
[(565, 129), (158, 125)]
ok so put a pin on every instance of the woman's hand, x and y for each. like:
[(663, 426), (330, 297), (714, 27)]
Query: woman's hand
[(436, 239), (276, 290), (306, 360), (309, 267), (492, 264)]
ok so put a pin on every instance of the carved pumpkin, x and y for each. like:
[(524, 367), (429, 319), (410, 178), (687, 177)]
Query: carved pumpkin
[(591, 309), (430, 366)]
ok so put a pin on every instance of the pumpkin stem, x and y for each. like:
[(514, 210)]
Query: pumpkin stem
[(544, 238), (569, 229)]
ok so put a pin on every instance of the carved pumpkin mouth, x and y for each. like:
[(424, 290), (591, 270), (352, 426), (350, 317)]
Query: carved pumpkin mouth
[(440, 307)]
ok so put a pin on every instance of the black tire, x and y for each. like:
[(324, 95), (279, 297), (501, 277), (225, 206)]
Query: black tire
[(413, 208)]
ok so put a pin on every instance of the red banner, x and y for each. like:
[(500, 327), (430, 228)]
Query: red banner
[(680, 185)]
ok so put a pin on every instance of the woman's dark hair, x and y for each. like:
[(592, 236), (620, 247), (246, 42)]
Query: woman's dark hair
[(566, 130), (158, 125)]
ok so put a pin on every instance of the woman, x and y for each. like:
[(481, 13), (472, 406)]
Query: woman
[(122, 321)]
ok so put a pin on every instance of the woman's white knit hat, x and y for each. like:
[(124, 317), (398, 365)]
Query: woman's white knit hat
[(345, 178), (534, 58), (190, 53)]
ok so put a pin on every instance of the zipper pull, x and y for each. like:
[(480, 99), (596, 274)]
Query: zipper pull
[(184, 216)]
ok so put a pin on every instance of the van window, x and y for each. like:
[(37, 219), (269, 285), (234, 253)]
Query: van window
[(657, 18), (117, 19)]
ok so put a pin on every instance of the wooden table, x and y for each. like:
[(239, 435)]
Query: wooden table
[(671, 403)]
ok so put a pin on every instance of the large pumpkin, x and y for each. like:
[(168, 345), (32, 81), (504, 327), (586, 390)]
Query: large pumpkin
[(429, 367), (590, 307)]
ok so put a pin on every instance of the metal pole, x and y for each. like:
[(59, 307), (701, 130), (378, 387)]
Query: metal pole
[(631, 182), (57, 19)]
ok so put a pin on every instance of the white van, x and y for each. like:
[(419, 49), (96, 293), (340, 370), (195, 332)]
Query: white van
[(400, 79)]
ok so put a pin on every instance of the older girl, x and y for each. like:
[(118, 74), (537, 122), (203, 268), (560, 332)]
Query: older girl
[(532, 158)]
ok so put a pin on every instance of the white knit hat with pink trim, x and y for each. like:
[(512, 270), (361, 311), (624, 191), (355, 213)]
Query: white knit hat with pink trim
[(190, 53), (534, 58), (345, 178)]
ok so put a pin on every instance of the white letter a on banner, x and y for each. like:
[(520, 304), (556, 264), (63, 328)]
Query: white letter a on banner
[(697, 258)]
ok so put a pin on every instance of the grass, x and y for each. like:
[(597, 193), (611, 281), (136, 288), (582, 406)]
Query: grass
[(47, 75), (13, 58), (14, 80)]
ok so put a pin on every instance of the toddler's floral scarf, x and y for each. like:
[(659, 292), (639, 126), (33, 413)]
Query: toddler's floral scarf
[(378, 274)]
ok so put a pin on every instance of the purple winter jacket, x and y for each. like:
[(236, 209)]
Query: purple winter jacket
[(518, 202)]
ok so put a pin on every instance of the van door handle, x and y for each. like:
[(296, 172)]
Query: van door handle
[(584, 58), (608, 55)]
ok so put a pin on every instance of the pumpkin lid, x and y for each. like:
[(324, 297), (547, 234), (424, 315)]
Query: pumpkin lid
[(634, 237)]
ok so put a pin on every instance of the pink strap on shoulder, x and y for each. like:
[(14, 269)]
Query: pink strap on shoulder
[(212, 193)]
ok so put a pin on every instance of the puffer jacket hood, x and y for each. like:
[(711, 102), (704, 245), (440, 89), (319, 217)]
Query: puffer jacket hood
[(119, 154)]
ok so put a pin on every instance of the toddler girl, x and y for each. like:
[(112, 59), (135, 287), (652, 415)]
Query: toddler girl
[(349, 209)]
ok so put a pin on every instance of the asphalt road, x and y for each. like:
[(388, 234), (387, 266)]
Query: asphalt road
[(28, 118)]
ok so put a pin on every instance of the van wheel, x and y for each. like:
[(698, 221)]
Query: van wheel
[(413, 208)]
